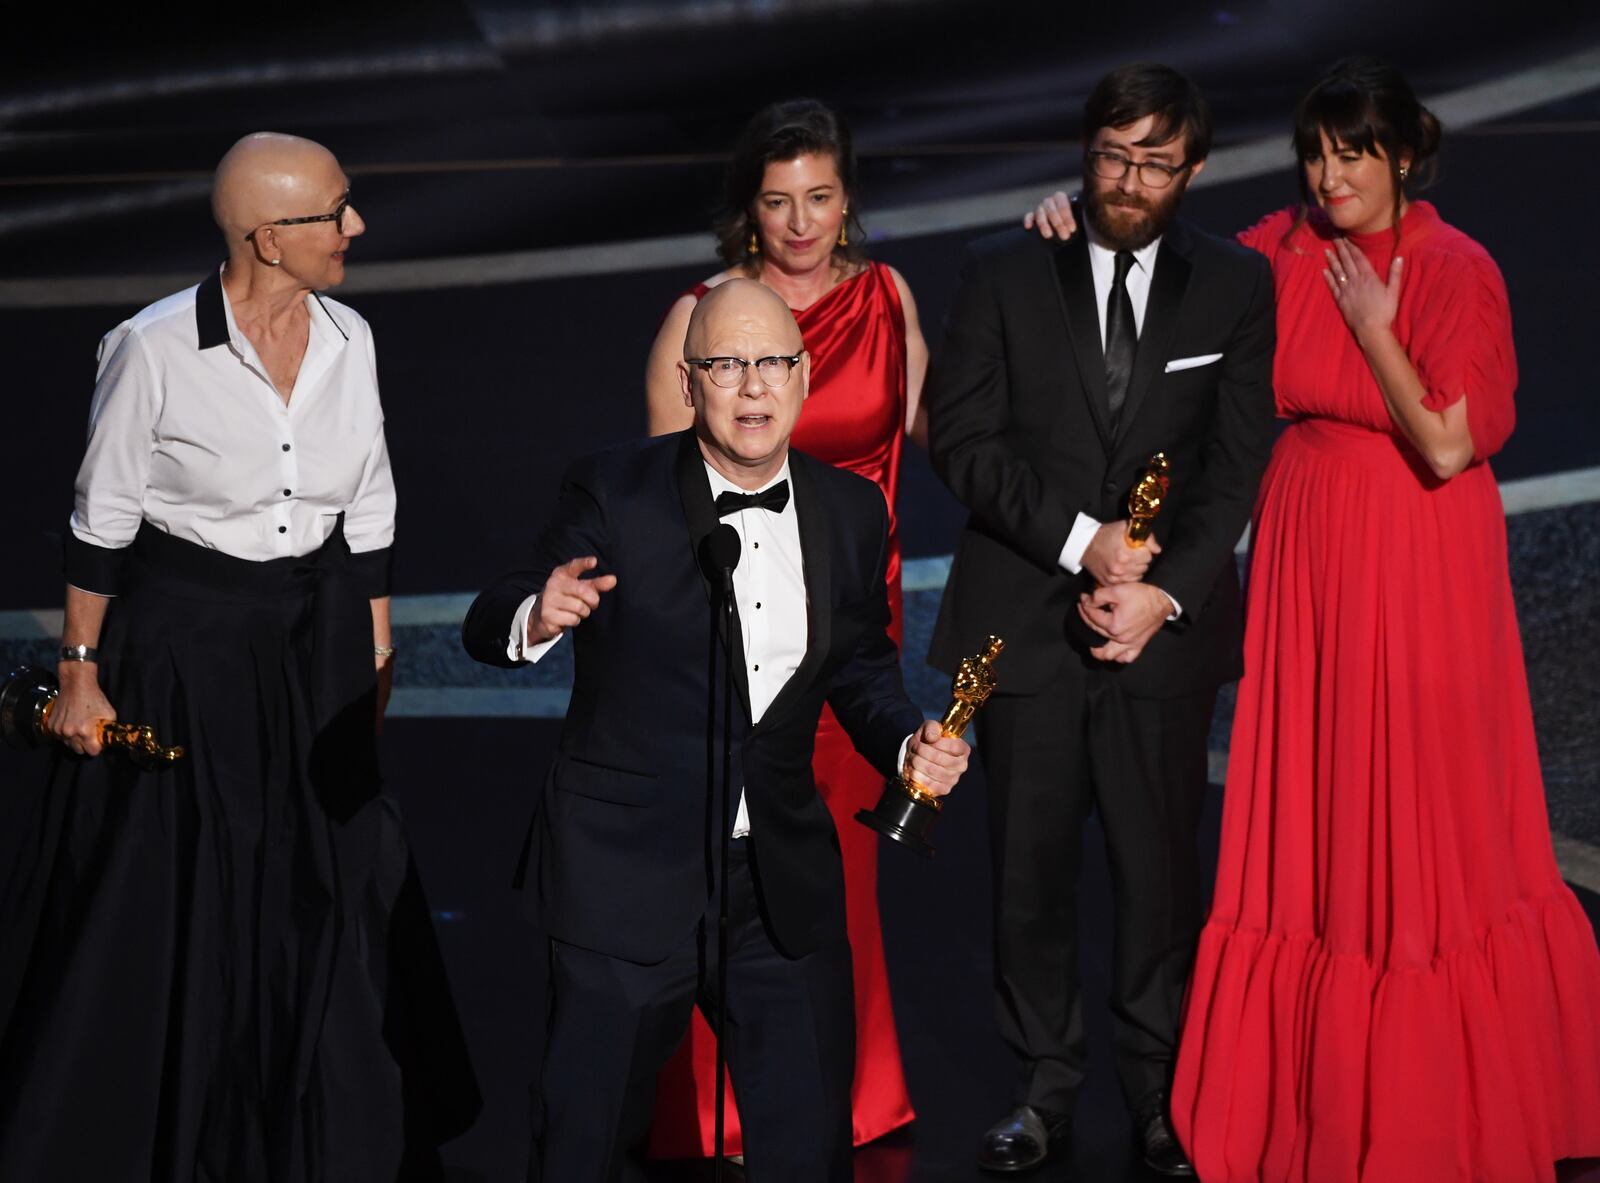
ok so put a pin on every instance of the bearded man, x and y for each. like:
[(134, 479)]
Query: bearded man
[(1065, 366)]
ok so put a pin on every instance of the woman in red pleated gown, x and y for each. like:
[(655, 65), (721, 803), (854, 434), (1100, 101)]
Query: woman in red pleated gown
[(1394, 984), (787, 223)]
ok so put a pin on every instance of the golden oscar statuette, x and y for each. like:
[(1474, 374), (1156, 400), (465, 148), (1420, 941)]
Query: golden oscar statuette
[(906, 810), (27, 697), (1144, 502)]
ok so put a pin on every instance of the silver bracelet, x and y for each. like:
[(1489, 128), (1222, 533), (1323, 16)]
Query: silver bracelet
[(79, 653), (383, 650)]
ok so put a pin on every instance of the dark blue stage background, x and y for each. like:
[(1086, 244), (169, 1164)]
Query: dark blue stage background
[(536, 180)]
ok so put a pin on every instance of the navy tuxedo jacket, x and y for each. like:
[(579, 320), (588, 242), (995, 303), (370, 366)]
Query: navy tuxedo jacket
[(623, 841), (1019, 429)]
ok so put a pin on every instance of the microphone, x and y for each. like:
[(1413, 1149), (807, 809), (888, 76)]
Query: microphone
[(719, 554)]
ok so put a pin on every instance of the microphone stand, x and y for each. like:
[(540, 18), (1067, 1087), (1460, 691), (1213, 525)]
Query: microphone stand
[(722, 887), (719, 553)]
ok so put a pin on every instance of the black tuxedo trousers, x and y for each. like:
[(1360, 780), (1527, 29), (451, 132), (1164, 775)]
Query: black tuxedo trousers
[(790, 1049), (1140, 764)]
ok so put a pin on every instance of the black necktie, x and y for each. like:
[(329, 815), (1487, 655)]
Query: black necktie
[(1122, 338), (773, 500)]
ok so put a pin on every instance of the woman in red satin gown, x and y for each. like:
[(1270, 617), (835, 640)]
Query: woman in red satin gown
[(787, 223), (1394, 984)]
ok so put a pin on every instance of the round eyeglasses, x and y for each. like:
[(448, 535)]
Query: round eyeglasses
[(728, 372), (336, 217), (1113, 166)]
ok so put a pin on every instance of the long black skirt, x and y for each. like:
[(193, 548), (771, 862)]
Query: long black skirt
[(223, 970)]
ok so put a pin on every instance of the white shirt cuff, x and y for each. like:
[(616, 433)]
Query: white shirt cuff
[(1078, 541), (1177, 608), (517, 647)]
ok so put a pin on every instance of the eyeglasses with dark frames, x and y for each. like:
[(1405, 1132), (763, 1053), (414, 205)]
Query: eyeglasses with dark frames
[(1113, 166), (728, 372), (336, 217)]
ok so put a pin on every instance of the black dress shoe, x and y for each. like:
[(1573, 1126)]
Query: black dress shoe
[(1152, 1131), (1023, 1139)]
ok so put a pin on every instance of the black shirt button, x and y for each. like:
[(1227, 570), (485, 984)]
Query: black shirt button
[(758, 603), (286, 492), (758, 669), (283, 529), (285, 447), (757, 545)]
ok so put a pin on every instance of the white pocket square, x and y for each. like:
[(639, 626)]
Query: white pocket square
[(1189, 363)]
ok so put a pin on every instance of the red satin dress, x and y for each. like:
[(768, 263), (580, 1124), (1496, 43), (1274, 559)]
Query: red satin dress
[(854, 418), (1394, 984)]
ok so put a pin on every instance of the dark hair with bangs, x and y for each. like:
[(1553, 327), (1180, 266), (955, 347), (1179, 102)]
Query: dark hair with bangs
[(783, 131), (1129, 93), (1366, 104)]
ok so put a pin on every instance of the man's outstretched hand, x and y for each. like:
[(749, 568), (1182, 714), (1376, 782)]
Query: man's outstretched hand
[(567, 599)]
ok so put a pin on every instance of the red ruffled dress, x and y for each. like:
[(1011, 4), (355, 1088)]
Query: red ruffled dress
[(1394, 984), (855, 418)]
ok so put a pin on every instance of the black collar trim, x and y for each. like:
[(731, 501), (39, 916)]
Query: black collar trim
[(210, 318)]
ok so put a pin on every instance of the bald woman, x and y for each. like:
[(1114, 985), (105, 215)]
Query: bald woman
[(198, 957)]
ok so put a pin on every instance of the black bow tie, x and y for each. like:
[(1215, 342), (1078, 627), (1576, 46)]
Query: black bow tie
[(773, 500)]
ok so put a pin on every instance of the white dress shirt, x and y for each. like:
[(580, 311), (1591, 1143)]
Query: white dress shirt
[(769, 587), (1103, 266), (191, 434)]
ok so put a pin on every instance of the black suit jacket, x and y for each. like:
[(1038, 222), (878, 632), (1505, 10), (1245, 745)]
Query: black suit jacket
[(623, 838), (1019, 430)]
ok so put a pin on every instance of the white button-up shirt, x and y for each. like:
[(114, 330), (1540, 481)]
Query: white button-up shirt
[(769, 585), (186, 430)]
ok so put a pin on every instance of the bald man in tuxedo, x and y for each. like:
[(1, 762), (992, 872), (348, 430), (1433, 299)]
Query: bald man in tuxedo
[(619, 855)]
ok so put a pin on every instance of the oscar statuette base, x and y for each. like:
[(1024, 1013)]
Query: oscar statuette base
[(902, 818)]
